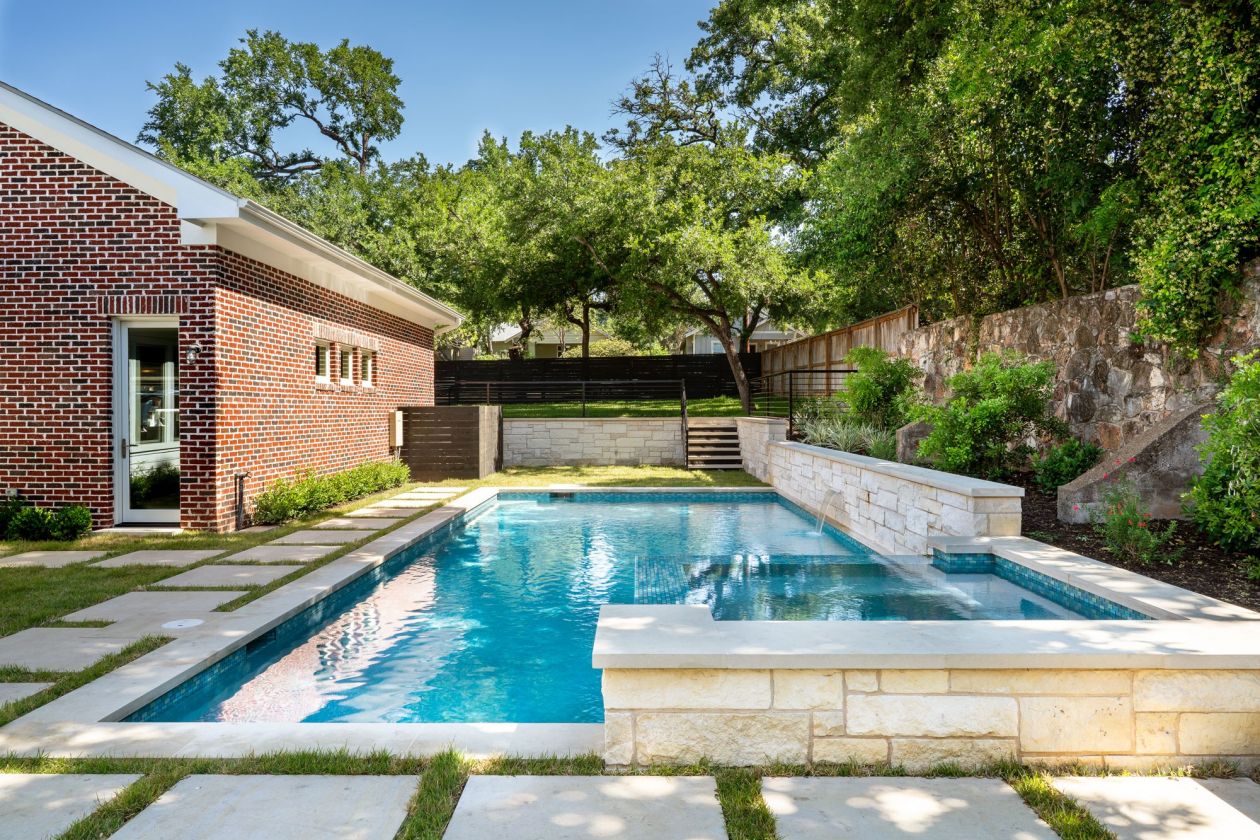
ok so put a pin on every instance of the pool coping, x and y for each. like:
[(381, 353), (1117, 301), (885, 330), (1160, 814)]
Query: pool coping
[(88, 720)]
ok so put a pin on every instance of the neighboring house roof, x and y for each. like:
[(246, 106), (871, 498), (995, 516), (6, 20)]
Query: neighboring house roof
[(507, 333), (213, 216)]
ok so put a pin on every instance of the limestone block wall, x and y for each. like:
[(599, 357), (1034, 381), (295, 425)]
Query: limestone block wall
[(894, 507), (630, 441), (918, 718), (755, 436)]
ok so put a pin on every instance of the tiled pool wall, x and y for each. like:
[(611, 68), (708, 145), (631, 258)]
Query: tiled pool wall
[(1087, 604), (923, 717)]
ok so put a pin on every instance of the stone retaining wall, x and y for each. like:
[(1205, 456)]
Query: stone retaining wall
[(755, 436), (593, 441), (896, 508), (918, 718), (1109, 387)]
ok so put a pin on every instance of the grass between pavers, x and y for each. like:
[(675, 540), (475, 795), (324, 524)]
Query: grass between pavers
[(441, 779)]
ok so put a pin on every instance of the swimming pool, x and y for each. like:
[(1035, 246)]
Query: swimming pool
[(492, 620)]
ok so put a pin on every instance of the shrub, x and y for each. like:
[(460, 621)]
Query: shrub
[(70, 522), (9, 508), (995, 409), (1225, 501), (1124, 525), (847, 435), (1064, 462), (30, 523), (309, 492), (882, 390)]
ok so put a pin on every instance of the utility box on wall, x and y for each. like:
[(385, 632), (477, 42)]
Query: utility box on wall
[(451, 441)]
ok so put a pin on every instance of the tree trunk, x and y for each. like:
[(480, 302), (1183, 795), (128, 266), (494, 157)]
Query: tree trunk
[(737, 367), (586, 329)]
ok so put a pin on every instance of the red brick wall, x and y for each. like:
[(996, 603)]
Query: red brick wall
[(78, 248), (274, 418)]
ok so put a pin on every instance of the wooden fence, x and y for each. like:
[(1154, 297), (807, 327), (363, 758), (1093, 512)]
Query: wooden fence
[(827, 351), (464, 441), (706, 375)]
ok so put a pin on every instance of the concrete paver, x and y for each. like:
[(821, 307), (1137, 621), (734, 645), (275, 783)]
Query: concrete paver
[(47, 559), (382, 512), (16, 691), (275, 808), (161, 557), (273, 553), (58, 648), (887, 808), (357, 524), (1160, 808), (228, 575), (312, 536), (588, 807), (37, 806), (154, 604)]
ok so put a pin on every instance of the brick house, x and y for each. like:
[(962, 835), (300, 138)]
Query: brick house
[(159, 336)]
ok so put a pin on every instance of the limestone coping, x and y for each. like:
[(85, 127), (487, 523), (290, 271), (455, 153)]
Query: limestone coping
[(653, 636), (960, 484)]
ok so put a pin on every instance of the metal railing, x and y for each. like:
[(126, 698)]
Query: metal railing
[(786, 393), (559, 397)]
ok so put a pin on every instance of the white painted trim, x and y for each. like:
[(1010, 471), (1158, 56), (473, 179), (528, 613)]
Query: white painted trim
[(120, 406)]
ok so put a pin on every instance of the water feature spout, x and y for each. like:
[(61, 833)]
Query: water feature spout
[(828, 497)]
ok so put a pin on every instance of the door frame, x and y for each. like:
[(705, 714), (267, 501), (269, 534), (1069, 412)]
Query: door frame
[(121, 408)]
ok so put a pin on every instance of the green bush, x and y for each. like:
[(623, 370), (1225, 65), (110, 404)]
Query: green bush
[(70, 523), (8, 509), (30, 523), (1063, 462), (847, 435), (995, 408), (1124, 525), (882, 390), (309, 492), (1225, 501)]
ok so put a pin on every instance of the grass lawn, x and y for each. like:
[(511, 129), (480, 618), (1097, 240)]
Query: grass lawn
[(711, 407)]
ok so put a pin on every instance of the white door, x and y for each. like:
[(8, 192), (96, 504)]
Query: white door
[(146, 425)]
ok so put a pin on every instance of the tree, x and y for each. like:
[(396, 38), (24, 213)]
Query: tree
[(348, 94)]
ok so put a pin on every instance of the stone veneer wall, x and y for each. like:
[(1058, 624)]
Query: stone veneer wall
[(1109, 388), (894, 507), (615, 441), (755, 436), (917, 718)]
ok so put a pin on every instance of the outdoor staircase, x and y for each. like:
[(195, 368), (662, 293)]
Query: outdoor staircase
[(713, 444)]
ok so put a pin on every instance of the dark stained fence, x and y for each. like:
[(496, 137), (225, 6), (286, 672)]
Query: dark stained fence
[(706, 375), (463, 441)]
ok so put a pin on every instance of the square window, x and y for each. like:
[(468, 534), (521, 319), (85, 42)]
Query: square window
[(321, 362), (367, 368), (345, 359)]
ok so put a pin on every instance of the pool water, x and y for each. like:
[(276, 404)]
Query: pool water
[(495, 621)]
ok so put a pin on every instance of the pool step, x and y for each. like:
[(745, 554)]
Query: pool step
[(713, 445)]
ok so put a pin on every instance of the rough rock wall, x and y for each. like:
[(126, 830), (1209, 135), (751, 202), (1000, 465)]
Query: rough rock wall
[(1109, 387)]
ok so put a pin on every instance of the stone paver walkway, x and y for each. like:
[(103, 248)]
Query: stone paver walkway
[(382, 512), (887, 808), (281, 553), (1158, 808), (36, 806), (160, 557), (16, 691), (48, 559), (228, 575), (360, 524), (276, 808), (412, 504), (588, 807), (135, 605), (315, 537), (58, 648)]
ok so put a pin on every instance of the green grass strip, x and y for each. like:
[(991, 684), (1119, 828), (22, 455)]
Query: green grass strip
[(1061, 812), (65, 683), (743, 808), (431, 808)]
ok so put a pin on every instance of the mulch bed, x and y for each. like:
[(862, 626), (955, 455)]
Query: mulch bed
[(1204, 566)]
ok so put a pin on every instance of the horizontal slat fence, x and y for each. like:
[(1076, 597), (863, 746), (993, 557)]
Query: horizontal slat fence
[(827, 351), (451, 441), (706, 375)]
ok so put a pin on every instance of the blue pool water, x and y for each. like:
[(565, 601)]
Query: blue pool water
[(494, 619)]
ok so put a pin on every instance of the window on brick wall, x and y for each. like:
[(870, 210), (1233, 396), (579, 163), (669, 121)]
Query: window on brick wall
[(322, 352), (367, 368), (345, 360)]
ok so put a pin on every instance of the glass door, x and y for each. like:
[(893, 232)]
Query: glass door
[(149, 448)]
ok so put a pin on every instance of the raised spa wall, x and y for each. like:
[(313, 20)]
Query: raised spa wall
[(895, 508)]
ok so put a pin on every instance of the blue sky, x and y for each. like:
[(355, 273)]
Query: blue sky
[(465, 66)]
